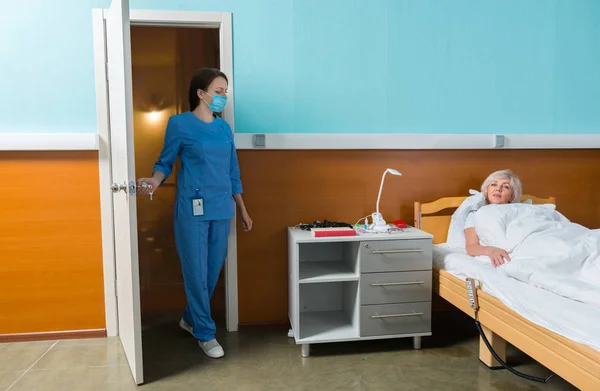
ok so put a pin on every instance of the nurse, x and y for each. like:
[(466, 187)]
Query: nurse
[(208, 186)]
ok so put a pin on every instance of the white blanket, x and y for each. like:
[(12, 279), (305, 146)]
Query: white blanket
[(546, 249), (570, 318)]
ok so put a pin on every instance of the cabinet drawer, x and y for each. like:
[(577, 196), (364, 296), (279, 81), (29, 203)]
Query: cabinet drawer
[(395, 255), (397, 287), (389, 319)]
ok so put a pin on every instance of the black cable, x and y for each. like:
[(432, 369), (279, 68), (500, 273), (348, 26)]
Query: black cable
[(524, 376), (324, 224)]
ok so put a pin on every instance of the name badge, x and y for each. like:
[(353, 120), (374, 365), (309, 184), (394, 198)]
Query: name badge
[(198, 207)]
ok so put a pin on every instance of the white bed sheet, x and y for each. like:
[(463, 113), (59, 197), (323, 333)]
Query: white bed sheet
[(569, 318)]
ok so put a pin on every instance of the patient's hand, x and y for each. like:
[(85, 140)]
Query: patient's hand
[(497, 256)]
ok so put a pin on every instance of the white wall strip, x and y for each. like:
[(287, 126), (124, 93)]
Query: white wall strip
[(48, 142), (291, 141), (417, 141)]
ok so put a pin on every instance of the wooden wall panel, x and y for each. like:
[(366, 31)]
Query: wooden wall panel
[(51, 275), (284, 188), (50, 241)]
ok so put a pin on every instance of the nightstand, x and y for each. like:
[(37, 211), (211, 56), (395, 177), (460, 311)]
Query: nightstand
[(364, 287)]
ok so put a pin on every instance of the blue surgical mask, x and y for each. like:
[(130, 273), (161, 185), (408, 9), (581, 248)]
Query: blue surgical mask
[(218, 103)]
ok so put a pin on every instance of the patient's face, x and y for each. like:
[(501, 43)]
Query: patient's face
[(499, 192)]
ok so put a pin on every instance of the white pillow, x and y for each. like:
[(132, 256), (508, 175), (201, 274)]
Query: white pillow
[(456, 230)]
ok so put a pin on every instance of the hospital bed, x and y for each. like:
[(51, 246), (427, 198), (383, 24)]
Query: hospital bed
[(512, 311)]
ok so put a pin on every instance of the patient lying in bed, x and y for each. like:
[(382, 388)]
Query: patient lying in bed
[(501, 187), (533, 243)]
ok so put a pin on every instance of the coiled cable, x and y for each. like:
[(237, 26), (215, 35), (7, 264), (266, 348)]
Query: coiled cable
[(512, 370)]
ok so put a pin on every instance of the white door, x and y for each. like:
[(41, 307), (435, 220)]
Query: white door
[(118, 45)]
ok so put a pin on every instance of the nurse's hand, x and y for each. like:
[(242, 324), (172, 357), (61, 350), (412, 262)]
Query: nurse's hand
[(142, 190), (246, 221)]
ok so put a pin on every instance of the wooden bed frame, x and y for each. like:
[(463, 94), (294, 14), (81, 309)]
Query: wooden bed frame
[(576, 363)]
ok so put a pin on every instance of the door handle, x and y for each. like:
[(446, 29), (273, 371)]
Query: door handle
[(117, 187)]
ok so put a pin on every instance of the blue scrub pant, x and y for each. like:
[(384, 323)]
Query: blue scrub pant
[(202, 249)]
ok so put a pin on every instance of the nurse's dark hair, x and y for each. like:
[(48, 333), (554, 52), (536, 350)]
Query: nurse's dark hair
[(201, 80)]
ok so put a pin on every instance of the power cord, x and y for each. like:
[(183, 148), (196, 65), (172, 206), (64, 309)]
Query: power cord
[(323, 224), (474, 303), (366, 219), (505, 365)]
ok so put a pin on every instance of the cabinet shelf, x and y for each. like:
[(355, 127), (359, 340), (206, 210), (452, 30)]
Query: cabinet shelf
[(326, 271), (327, 326)]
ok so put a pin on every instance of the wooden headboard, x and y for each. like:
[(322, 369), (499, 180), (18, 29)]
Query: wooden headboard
[(434, 217)]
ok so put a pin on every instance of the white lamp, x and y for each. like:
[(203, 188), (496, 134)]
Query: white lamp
[(379, 223)]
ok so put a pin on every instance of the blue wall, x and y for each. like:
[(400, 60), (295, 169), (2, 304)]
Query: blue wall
[(46, 67), (340, 66)]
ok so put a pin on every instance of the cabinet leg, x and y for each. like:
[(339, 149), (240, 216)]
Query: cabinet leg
[(417, 343), (306, 350)]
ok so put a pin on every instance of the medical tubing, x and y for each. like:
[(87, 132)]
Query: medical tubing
[(514, 371)]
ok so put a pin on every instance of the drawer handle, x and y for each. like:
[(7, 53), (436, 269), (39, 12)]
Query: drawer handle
[(398, 283), (396, 251), (396, 315)]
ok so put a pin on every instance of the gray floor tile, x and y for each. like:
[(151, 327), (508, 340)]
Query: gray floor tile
[(80, 379), (8, 377), (266, 359), (83, 354), (20, 356)]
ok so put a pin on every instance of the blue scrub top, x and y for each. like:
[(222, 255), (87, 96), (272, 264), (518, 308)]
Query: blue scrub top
[(209, 166)]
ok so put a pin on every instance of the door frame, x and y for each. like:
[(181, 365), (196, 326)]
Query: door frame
[(219, 20)]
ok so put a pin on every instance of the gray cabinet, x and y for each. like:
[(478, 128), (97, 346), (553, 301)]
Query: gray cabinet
[(369, 286)]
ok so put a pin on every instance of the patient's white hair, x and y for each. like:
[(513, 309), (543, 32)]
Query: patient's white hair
[(515, 184)]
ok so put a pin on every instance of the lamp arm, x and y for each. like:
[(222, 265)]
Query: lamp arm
[(380, 189)]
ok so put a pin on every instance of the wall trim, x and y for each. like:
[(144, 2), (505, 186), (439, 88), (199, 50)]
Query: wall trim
[(48, 141), (176, 18), (417, 141), (53, 335), (292, 141)]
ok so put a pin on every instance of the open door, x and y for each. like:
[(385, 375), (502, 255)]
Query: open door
[(118, 45)]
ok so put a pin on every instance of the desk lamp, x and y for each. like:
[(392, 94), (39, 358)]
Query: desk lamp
[(379, 223)]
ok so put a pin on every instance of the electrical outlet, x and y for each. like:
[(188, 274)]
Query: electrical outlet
[(498, 141), (259, 141)]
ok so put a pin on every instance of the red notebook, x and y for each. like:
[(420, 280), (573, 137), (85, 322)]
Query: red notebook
[(334, 231)]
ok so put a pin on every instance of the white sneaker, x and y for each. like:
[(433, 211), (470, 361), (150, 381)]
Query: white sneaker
[(212, 348), (183, 324)]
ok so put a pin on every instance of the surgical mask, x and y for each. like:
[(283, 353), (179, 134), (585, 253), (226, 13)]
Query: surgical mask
[(218, 103)]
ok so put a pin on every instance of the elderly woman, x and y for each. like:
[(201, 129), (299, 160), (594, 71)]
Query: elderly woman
[(501, 187)]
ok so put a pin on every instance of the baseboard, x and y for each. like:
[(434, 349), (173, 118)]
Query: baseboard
[(53, 335)]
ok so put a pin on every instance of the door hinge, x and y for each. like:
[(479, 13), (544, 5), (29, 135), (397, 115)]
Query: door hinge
[(116, 289)]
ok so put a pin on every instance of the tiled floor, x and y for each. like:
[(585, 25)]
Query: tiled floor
[(266, 360)]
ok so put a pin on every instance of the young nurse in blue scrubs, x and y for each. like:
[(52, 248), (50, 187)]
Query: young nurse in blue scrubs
[(208, 186)]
